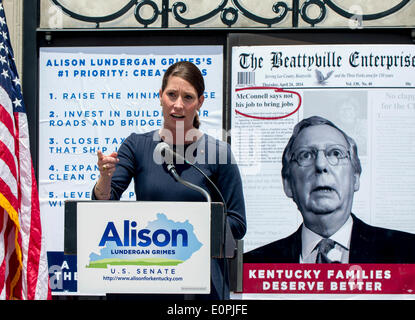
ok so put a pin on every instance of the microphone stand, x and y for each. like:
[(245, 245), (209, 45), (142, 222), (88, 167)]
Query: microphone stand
[(171, 168), (164, 148), (188, 184)]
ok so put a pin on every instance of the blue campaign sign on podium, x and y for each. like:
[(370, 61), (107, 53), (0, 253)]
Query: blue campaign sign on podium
[(147, 247)]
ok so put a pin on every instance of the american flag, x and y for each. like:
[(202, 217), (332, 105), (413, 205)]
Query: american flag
[(23, 262)]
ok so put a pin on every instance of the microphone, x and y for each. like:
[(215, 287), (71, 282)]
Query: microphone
[(164, 150), (163, 153)]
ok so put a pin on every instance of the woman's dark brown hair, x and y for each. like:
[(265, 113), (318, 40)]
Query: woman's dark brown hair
[(189, 72)]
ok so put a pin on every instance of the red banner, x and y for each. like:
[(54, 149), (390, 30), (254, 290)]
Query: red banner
[(294, 278)]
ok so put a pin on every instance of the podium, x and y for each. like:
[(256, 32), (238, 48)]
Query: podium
[(145, 247)]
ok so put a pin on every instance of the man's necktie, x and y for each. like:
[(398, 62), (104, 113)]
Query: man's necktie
[(324, 246)]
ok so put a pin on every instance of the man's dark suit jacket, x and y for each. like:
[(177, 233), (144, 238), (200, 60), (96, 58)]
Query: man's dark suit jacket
[(368, 245)]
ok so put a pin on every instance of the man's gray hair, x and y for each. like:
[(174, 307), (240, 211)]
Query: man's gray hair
[(315, 121)]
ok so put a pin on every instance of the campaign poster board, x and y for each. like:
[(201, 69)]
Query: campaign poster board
[(366, 90), (92, 98), (146, 247)]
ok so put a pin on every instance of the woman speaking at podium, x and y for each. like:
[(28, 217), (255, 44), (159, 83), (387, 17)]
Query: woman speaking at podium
[(181, 97)]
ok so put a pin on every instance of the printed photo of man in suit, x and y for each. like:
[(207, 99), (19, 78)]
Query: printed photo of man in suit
[(321, 172)]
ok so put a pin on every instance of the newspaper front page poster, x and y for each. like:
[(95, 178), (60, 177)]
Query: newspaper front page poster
[(368, 91)]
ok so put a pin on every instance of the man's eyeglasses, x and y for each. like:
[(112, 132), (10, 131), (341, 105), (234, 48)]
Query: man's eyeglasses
[(306, 156)]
